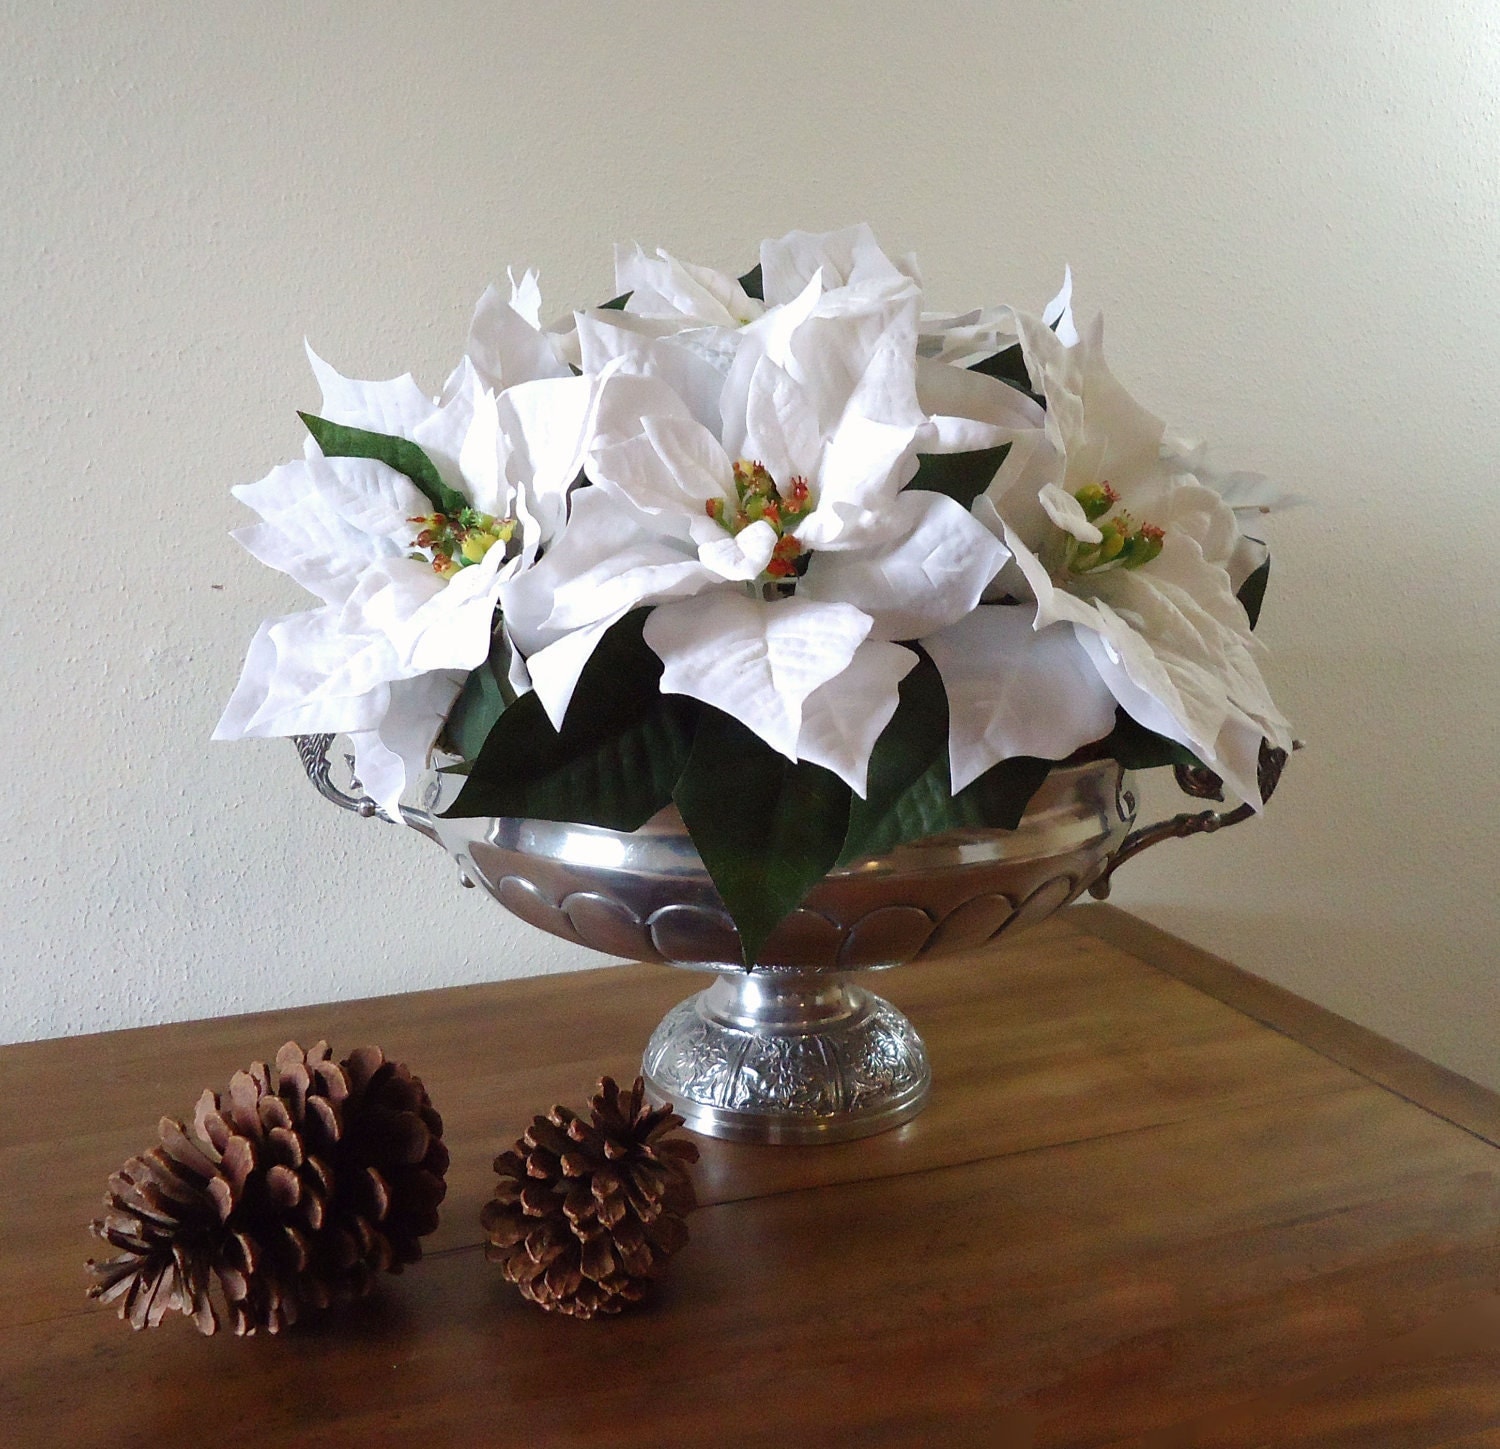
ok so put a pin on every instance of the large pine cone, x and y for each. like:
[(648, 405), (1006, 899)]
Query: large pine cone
[(294, 1188), (586, 1213)]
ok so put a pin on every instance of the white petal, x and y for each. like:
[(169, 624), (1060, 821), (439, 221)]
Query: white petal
[(394, 407), (603, 564), (1058, 313), (482, 458), (1067, 513), (441, 434), (781, 426), (738, 557), (554, 670), (933, 574), (390, 757), (506, 348), (848, 256), (526, 297), (968, 411), (864, 467), (1015, 691), (755, 660), (305, 676), (841, 720), (548, 423), (662, 286), (607, 337)]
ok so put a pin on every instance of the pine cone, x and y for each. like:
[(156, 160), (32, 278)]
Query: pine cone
[(586, 1214), (294, 1188)]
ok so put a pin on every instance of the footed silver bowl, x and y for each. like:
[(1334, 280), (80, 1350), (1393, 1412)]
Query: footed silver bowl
[(793, 1050)]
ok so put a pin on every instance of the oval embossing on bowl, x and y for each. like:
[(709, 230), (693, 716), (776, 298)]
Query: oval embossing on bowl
[(971, 924), (1041, 903), (805, 938), (693, 934), (608, 926), (521, 898), (886, 936)]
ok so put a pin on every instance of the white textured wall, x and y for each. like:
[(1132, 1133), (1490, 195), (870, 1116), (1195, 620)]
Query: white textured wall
[(1288, 213)]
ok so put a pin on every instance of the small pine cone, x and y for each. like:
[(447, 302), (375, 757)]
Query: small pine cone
[(294, 1188), (586, 1213)]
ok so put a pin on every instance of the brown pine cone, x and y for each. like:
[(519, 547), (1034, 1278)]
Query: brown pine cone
[(295, 1187), (586, 1213)]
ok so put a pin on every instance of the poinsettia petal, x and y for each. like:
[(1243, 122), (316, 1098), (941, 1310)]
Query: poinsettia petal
[(1058, 313), (1015, 690), (967, 411), (394, 407), (781, 426), (755, 660), (1067, 513), (662, 286), (933, 573), (391, 756), (851, 255), (548, 423), (628, 342), (737, 557), (506, 347), (842, 719)]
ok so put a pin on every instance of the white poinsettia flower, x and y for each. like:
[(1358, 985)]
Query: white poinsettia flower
[(409, 591), (1117, 544), (782, 556)]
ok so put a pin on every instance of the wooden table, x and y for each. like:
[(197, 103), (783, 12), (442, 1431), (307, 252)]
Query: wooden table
[(1132, 1214)]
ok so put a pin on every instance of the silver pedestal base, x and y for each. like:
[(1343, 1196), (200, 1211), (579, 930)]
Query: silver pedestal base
[(773, 1056)]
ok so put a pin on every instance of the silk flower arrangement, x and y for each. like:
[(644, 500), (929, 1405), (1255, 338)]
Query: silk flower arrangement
[(825, 569)]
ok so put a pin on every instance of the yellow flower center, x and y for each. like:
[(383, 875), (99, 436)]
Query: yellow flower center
[(450, 543)]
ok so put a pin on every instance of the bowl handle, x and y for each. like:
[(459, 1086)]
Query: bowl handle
[(1201, 783), (313, 752)]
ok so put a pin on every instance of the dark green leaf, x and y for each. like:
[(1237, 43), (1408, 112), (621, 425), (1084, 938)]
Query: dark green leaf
[(908, 796), (340, 441), (621, 749), (916, 736), (1252, 592), (753, 285), (486, 695), (1138, 748), (615, 304), (999, 797), (768, 829), (1008, 366), (961, 476)]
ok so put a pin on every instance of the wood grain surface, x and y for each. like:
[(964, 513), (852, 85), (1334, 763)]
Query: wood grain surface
[(1131, 1215)]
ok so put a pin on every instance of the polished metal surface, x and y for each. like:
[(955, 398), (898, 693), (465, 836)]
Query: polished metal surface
[(772, 1056), (646, 896), (790, 1051)]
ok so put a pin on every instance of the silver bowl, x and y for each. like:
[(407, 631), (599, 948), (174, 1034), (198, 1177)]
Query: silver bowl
[(792, 1050)]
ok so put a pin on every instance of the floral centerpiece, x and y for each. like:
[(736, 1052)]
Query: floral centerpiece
[(826, 569)]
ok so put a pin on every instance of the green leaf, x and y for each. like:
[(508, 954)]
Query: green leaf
[(486, 695), (1138, 748), (615, 304), (1009, 367), (620, 751), (916, 736), (339, 441), (1252, 593), (768, 828), (999, 797), (753, 285), (961, 476), (908, 794)]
